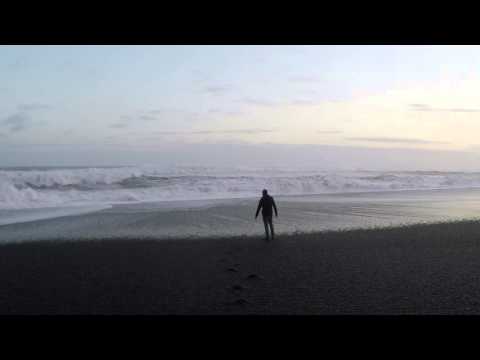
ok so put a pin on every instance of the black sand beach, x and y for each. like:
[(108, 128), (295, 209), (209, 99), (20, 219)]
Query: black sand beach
[(416, 269)]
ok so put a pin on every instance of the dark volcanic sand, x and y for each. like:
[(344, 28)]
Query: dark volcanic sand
[(419, 269)]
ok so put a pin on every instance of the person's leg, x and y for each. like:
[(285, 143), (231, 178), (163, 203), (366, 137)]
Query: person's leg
[(265, 222), (270, 221)]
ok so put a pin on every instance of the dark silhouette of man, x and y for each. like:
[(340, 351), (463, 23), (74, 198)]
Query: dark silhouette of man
[(266, 203)]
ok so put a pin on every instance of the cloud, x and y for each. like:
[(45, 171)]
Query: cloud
[(148, 117), (117, 140), (226, 112), (214, 132), (17, 122), (169, 132), (33, 107), (126, 117), (308, 92), (200, 76), (234, 113), (178, 114), (304, 102), (425, 107), (118, 126), (395, 140), (329, 132), (258, 102), (306, 79), (217, 90), (462, 110), (239, 131), (21, 120), (164, 111), (18, 64), (420, 107), (3, 135)]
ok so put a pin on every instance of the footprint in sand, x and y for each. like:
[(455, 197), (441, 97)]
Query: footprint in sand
[(232, 270), (241, 302), (237, 288), (238, 302), (253, 277)]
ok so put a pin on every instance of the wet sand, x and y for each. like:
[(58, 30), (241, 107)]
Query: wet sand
[(417, 269), (235, 217)]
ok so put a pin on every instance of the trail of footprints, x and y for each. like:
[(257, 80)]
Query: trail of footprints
[(238, 289)]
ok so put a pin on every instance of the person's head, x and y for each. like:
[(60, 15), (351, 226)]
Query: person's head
[(264, 192)]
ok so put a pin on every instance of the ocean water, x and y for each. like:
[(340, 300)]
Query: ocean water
[(99, 202), (49, 187)]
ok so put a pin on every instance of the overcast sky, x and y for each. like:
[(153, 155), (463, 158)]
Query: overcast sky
[(87, 104)]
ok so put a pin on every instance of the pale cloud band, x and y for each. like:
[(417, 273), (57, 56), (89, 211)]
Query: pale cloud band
[(306, 79), (118, 126), (258, 102), (148, 117), (21, 120), (395, 140), (425, 107), (17, 122), (217, 90), (212, 132), (33, 107), (329, 132)]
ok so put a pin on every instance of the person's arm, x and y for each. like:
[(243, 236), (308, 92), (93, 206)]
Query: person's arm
[(260, 203), (275, 207)]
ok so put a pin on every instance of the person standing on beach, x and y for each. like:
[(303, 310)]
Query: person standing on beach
[(266, 203)]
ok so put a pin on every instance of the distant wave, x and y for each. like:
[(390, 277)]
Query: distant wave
[(22, 188)]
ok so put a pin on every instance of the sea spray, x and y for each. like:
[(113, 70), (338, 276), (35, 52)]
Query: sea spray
[(24, 188)]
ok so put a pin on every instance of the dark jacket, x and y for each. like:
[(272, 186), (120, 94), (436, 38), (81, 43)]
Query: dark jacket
[(266, 203)]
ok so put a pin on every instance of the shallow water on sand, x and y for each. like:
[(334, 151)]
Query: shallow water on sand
[(236, 216)]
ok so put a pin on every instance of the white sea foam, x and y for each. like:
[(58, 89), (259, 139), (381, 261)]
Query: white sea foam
[(66, 187), (26, 215)]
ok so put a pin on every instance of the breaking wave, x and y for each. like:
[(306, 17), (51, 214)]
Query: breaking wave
[(23, 188)]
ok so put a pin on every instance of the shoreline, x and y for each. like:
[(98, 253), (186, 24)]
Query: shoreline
[(227, 219), (201, 203), (412, 269), (259, 236)]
